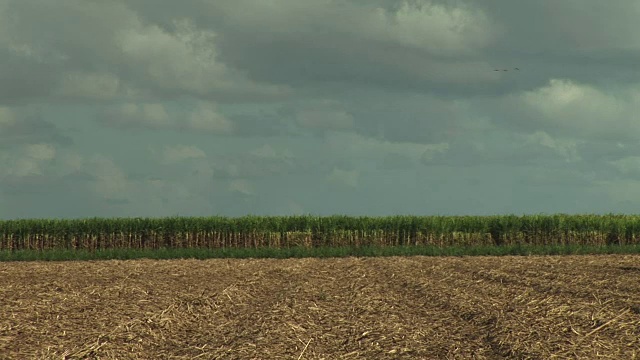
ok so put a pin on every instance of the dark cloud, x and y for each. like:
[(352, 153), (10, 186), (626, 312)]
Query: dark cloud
[(261, 124), (32, 129), (428, 123), (506, 150), (22, 80), (393, 162), (321, 106), (254, 167)]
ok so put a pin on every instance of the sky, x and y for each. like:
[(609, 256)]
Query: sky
[(154, 108)]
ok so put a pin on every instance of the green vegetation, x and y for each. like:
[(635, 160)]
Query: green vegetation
[(313, 231), (322, 252)]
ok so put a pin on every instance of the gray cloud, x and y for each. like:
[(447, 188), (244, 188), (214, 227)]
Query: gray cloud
[(155, 108), (393, 162), (263, 124), (111, 44), (357, 44), (20, 126), (203, 118), (22, 79), (259, 163)]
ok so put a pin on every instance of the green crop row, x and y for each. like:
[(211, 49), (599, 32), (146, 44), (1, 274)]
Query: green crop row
[(316, 231)]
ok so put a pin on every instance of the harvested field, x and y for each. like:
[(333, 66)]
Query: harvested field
[(349, 308)]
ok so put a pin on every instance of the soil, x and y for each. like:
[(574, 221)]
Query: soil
[(547, 307)]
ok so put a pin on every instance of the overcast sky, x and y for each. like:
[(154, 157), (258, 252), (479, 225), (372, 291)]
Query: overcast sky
[(279, 107)]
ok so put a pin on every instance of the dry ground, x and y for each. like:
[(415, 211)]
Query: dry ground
[(352, 308)]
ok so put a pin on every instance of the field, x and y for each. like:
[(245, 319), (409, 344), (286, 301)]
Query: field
[(537, 307), (278, 232)]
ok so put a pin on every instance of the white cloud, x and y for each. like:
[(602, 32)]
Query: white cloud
[(88, 85), (25, 167), (563, 98), (206, 118), (419, 24), (204, 171), (565, 148), (110, 181), (111, 50), (185, 60), (621, 190), (35, 53), (40, 152), (241, 186), (155, 114), (629, 165), (342, 177), (324, 114), (366, 147), (72, 162), (266, 151), (433, 150), (39, 160), (7, 117), (583, 110), (31, 162), (129, 110), (357, 33), (437, 28), (179, 153), (149, 115), (151, 196), (260, 163)]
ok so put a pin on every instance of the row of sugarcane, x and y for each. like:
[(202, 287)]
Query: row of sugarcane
[(317, 231)]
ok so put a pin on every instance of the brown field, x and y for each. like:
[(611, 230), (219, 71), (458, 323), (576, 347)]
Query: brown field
[(583, 307)]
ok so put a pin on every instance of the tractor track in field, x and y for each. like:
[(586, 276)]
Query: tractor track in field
[(539, 307), (427, 288), (563, 307), (449, 290)]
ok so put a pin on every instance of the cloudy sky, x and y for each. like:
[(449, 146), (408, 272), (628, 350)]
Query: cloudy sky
[(278, 107)]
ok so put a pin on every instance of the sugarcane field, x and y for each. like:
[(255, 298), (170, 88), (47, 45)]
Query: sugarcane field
[(319, 180), (503, 287)]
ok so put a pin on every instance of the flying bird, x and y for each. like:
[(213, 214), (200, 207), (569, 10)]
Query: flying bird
[(517, 69)]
